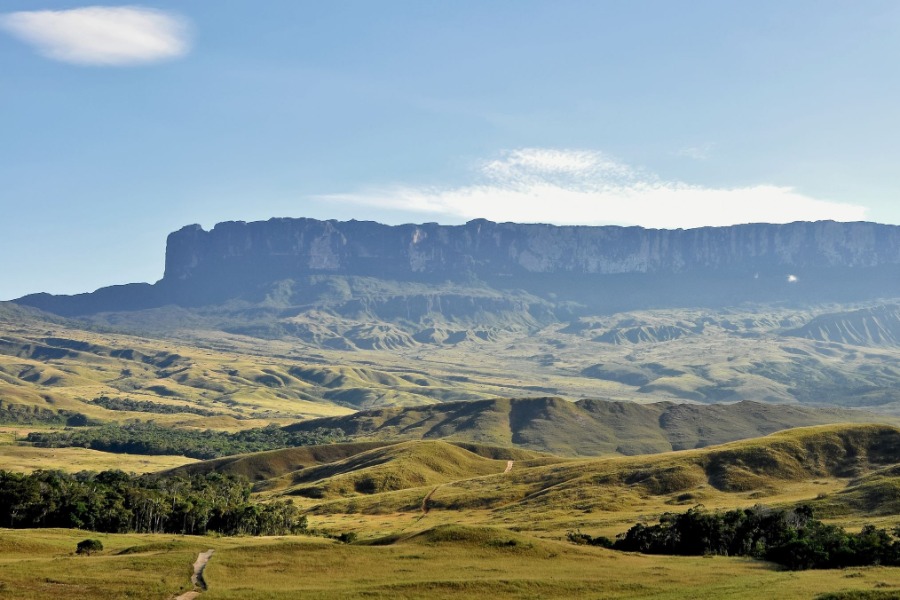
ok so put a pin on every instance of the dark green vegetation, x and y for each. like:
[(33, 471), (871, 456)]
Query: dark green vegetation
[(129, 404), (89, 546), (792, 538), (26, 414), (149, 438), (115, 502)]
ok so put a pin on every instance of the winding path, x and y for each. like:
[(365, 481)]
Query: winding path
[(197, 577), (427, 498)]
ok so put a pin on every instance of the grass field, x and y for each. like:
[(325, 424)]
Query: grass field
[(441, 520), (436, 520), (25, 459), (448, 562)]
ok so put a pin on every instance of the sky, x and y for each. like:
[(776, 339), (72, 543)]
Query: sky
[(120, 123)]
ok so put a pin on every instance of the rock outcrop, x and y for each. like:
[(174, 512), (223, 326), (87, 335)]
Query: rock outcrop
[(602, 268)]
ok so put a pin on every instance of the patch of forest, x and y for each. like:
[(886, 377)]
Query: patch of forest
[(116, 502), (27, 414), (147, 406), (149, 438), (791, 538)]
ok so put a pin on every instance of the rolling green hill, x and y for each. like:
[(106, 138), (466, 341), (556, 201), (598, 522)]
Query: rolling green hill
[(583, 428), (197, 359), (844, 469)]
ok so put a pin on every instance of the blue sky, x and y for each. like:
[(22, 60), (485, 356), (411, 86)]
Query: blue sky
[(123, 123)]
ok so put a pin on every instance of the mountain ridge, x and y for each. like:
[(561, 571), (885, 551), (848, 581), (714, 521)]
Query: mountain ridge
[(583, 428), (599, 267)]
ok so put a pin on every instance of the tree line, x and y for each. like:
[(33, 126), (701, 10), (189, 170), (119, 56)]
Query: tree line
[(149, 438), (27, 414), (792, 538), (130, 404), (116, 502)]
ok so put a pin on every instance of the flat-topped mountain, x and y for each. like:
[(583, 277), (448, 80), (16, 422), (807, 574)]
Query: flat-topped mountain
[(485, 249), (282, 261)]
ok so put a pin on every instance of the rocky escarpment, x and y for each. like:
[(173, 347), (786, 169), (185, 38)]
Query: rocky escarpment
[(605, 268), (486, 249)]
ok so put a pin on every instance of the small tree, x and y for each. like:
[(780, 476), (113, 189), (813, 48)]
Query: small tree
[(88, 547)]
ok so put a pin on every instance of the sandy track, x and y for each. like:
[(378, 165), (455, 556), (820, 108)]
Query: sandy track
[(197, 577), (425, 500)]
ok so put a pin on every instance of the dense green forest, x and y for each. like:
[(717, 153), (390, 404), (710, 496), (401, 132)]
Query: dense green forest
[(149, 438), (115, 502), (147, 406), (792, 538)]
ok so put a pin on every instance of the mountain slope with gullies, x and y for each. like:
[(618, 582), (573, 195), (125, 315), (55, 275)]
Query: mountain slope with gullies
[(50, 363), (871, 326), (772, 313), (583, 428), (840, 468)]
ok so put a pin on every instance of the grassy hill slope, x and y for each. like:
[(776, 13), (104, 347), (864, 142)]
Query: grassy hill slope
[(846, 465), (583, 428)]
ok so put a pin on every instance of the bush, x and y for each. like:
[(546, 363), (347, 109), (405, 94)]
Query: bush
[(576, 537), (347, 537), (88, 547)]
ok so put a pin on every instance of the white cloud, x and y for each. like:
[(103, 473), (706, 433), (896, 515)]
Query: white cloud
[(700, 152), (590, 188), (100, 35)]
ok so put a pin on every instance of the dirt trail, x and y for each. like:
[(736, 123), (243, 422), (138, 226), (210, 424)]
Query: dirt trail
[(197, 577), (425, 500)]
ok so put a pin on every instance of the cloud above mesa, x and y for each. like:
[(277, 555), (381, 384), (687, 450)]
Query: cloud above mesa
[(585, 187), (102, 35)]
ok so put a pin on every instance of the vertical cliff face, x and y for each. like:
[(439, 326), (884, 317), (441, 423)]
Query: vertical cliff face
[(597, 268), (291, 247)]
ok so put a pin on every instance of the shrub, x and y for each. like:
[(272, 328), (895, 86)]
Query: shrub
[(88, 547)]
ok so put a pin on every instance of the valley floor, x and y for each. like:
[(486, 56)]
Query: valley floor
[(456, 562)]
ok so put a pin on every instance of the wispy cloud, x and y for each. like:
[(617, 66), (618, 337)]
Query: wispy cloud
[(591, 188), (697, 152), (100, 35)]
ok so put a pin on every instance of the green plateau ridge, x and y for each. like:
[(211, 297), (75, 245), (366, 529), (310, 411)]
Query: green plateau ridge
[(582, 428), (436, 475)]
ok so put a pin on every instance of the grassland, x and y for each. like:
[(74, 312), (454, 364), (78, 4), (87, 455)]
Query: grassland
[(445, 562), (438, 520), (51, 364), (442, 519), (25, 459)]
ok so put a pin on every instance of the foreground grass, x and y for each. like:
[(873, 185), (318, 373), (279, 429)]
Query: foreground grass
[(25, 459), (43, 564), (450, 562)]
